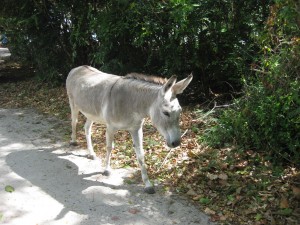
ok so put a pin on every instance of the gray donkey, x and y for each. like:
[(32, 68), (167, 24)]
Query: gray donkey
[(122, 103)]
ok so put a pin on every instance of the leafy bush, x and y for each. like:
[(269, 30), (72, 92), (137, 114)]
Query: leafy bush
[(210, 38), (38, 36), (267, 117)]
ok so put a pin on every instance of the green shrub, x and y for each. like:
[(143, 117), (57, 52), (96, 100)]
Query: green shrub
[(210, 38), (263, 121), (267, 117)]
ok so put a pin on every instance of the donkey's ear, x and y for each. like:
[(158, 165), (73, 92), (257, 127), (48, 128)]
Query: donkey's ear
[(179, 87), (169, 84)]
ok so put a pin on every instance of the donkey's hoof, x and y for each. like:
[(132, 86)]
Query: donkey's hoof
[(149, 190), (73, 143), (93, 157), (106, 173)]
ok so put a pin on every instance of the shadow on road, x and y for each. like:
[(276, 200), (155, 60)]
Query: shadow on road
[(60, 178)]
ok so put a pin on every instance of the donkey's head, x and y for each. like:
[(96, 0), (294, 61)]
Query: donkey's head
[(165, 111)]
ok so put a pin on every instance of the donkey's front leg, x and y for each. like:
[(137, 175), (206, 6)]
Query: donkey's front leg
[(137, 136)]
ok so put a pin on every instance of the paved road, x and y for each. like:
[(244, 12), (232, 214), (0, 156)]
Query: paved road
[(58, 185)]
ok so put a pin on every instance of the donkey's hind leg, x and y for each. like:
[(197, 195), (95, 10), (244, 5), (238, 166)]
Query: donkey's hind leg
[(74, 115), (109, 146), (88, 135)]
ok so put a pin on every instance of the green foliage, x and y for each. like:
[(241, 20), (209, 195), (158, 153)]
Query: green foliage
[(267, 117), (204, 201), (210, 38), (37, 36)]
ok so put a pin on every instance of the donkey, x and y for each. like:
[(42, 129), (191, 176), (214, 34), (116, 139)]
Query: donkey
[(122, 103)]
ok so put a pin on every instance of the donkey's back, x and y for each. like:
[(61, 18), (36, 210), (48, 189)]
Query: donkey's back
[(87, 76), (87, 88)]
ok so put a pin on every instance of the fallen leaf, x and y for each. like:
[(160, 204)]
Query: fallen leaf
[(191, 192), (223, 176), (215, 218), (204, 200), (238, 190), (250, 152), (223, 182), (212, 176), (115, 218), (242, 164), (224, 166), (258, 217), (230, 198), (285, 212), (197, 197), (283, 203), (9, 188), (296, 191), (209, 211), (134, 211), (223, 218)]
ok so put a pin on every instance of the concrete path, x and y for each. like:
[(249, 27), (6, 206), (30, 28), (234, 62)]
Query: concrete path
[(54, 184)]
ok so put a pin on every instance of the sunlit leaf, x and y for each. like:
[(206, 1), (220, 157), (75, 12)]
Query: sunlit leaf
[(204, 201), (258, 216), (209, 211), (230, 198)]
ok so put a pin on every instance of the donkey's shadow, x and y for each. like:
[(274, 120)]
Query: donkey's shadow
[(61, 178)]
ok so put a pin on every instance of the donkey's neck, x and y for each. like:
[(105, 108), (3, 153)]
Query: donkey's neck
[(141, 96)]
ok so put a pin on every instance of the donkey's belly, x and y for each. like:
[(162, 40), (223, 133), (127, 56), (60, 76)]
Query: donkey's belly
[(94, 118)]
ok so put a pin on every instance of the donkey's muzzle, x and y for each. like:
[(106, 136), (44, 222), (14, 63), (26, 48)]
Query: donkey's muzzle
[(174, 144)]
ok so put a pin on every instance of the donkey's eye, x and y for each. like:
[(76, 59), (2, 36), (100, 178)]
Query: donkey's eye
[(166, 113)]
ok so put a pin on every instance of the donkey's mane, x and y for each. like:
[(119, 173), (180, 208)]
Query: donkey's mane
[(146, 78)]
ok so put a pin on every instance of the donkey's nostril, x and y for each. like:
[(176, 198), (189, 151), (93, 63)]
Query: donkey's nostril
[(175, 143)]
